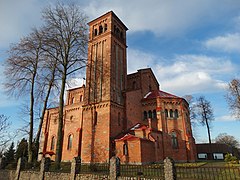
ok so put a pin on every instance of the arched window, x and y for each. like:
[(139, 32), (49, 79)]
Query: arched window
[(176, 113), (149, 114), (95, 118), (154, 114), (171, 113), (166, 113), (71, 118), (69, 145), (53, 141), (125, 149), (81, 98), (105, 27), (174, 140), (95, 32), (144, 115), (100, 29), (72, 100)]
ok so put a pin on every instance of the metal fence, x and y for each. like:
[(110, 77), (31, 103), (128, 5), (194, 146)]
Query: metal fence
[(151, 171), (208, 173), (94, 168)]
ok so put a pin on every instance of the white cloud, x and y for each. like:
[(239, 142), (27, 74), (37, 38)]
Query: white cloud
[(17, 18), (138, 60), (194, 74), (164, 17), (227, 43), (226, 118), (187, 74)]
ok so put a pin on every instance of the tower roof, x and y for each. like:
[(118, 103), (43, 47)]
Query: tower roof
[(106, 14)]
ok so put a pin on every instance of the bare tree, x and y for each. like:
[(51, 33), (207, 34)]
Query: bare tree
[(66, 35), (229, 140), (21, 70), (190, 100), (233, 97), (4, 134), (204, 114)]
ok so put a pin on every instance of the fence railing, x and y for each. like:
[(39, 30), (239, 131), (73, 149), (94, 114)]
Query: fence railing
[(167, 170), (150, 171), (208, 173), (94, 168)]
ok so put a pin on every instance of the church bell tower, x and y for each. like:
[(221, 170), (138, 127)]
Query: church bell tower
[(104, 114)]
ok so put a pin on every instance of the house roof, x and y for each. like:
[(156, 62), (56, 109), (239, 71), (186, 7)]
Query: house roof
[(215, 148), (159, 93)]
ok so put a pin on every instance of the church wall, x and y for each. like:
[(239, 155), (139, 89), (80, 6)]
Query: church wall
[(147, 151), (96, 133), (134, 151), (133, 106), (72, 126)]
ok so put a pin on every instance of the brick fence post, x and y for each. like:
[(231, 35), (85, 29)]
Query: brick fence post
[(114, 168), (75, 167), (44, 167), (19, 165), (169, 169)]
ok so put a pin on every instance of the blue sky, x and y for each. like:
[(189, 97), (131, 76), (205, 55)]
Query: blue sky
[(193, 47)]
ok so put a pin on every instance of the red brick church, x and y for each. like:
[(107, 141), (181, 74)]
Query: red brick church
[(116, 113)]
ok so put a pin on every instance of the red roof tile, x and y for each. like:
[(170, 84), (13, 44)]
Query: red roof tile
[(159, 93)]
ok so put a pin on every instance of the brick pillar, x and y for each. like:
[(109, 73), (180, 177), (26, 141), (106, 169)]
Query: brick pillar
[(17, 173), (114, 168), (44, 167), (169, 169), (75, 167)]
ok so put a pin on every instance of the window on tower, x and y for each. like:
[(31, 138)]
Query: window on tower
[(70, 139), (53, 143), (100, 29), (105, 27), (154, 114)]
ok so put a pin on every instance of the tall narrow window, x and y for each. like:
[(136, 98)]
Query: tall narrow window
[(72, 100), (125, 149), (144, 115), (81, 98), (154, 114), (174, 140), (171, 113), (69, 145), (149, 114), (176, 113), (95, 118), (105, 27), (166, 113), (100, 29), (53, 143)]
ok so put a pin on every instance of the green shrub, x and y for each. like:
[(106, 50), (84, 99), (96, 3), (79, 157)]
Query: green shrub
[(231, 159)]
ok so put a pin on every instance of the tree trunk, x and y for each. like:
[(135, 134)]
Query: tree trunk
[(60, 124), (209, 139), (44, 108), (30, 139)]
